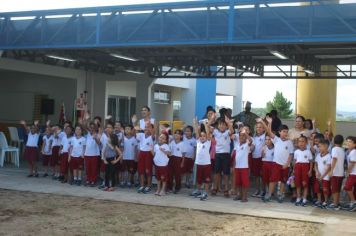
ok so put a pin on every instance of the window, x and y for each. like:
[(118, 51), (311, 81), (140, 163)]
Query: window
[(162, 97), (121, 108)]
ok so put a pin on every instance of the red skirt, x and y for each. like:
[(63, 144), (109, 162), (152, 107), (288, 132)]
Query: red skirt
[(31, 154)]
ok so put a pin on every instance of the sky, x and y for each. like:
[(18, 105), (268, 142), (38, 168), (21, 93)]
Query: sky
[(262, 90)]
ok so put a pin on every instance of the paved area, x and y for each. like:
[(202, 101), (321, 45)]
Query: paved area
[(339, 222)]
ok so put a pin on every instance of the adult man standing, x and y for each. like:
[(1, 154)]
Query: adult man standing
[(247, 117)]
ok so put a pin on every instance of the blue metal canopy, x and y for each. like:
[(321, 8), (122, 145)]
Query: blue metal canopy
[(185, 23)]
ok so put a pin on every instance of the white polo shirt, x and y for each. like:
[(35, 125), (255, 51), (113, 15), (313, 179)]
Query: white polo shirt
[(47, 141), (203, 153), (77, 145), (58, 140), (143, 124), (130, 145), (160, 158), (352, 157), (189, 146), (91, 147), (177, 149), (323, 163), (222, 141), (241, 159), (258, 142), (32, 140), (338, 153), (268, 154), (65, 144), (303, 156), (146, 143), (282, 150)]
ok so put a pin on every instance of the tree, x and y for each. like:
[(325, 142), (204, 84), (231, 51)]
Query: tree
[(281, 104)]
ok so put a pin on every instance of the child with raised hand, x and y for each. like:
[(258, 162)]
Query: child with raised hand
[(76, 155), (161, 151), (111, 155), (46, 149), (267, 163), (322, 169), (302, 170), (222, 158), (202, 160), (256, 161), (31, 149), (350, 185), (242, 182), (190, 144), (283, 153), (337, 171), (176, 161)]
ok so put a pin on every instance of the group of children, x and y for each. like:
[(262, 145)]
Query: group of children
[(225, 154)]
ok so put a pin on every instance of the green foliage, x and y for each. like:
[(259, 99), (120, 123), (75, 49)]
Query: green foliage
[(281, 104), (261, 112)]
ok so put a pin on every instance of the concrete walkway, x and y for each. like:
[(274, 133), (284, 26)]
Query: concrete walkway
[(339, 222)]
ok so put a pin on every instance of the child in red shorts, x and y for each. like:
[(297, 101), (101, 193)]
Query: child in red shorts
[(31, 149), (302, 170), (322, 179), (76, 155), (176, 161), (242, 182), (129, 156), (190, 144), (350, 184), (256, 161), (267, 163), (202, 160), (161, 151)]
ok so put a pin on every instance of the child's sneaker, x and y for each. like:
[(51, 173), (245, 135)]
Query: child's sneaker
[(298, 202), (317, 204), (140, 189), (256, 194), (45, 175), (129, 185), (332, 206), (304, 203), (195, 193), (262, 195), (122, 185), (280, 199), (147, 190), (267, 198), (352, 207), (204, 197), (324, 205)]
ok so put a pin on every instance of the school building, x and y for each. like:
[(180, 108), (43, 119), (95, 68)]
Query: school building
[(173, 57)]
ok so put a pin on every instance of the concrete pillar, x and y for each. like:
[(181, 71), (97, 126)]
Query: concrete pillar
[(187, 104), (316, 98), (144, 93)]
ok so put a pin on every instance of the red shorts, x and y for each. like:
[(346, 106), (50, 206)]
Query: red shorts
[(64, 163), (162, 173), (130, 166), (45, 161), (256, 167), (267, 171), (76, 163), (54, 160), (336, 182), (350, 183), (301, 171), (279, 174), (203, 174), (188, 166), (241, 177), (31, 154), (145, 162), (325, 188)]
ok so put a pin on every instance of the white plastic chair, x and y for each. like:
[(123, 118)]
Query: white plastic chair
[(15, 139), (4, 147)]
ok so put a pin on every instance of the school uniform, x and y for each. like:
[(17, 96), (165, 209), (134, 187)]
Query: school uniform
[(256, 162), (65, 144), (103, 141), (302, 166), (241, 166), (222, 157), (130, 146), (161, 161), (203, 162), (56, 145), (267, 165), (189, 146), (110, 155), (91, 154), (120, 165), (47, 149), (282, 150), (77, 147), (174, 164), (143, 123), (337, 153), (351, 180), (31, 149), (145, 158), (323, 162)]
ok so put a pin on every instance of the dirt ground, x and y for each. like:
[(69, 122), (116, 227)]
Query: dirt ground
[(26, 213)]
